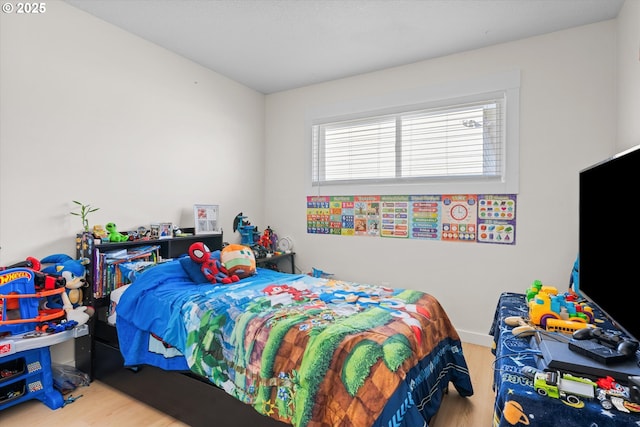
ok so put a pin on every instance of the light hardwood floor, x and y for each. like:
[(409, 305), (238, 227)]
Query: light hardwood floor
[(102, 406), (477, 410)]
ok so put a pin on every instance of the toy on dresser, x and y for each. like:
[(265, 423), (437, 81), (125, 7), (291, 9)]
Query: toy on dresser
[(557, 312), (114, 234)]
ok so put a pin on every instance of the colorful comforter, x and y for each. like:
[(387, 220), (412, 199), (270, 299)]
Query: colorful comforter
[(306, 351)]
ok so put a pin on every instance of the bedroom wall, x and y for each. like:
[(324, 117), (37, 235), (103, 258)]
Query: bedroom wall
[(92, 113), (628, 75), (567, 122)]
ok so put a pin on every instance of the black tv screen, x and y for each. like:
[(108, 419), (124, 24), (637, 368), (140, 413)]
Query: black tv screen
[(609, 222)]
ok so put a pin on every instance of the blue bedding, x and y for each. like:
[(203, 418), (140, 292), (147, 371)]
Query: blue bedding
[(161, 294), (306, 351)]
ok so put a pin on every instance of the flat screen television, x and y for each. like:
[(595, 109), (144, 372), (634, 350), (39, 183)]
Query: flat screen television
[(609, 221)]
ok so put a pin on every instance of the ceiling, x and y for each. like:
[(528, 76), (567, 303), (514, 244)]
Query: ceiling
[(276, 45)]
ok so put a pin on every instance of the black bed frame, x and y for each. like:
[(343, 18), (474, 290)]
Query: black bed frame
[(182, 395)]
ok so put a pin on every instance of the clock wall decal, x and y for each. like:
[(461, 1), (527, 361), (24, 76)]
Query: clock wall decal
[(459, 212)]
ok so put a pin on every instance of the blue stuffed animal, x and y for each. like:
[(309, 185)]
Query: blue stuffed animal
[(74, 272)]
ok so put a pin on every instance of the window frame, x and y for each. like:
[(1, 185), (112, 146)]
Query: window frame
[(505, 84)]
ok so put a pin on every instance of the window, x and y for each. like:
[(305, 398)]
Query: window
[(461, 144), (463, 141)]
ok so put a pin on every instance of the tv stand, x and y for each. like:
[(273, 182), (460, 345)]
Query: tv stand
[(519, 400), (556, 355)]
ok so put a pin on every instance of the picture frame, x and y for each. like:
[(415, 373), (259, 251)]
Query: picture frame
[(205, 219), (154, 231), (166, 230)]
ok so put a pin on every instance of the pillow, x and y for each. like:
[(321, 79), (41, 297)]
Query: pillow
[(238, 260), (114, 297), (194, 270)]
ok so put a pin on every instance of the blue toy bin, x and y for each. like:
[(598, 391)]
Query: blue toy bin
[(19, 302), (29, 376)]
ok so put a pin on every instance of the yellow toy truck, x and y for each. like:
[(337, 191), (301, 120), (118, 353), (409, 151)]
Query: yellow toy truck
[(557, 312)]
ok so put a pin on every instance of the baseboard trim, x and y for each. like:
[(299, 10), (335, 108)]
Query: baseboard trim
[(476, 338)]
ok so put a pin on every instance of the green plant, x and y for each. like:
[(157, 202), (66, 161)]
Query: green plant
[(85, 210)]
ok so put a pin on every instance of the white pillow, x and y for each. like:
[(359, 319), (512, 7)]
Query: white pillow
[(115, 298)]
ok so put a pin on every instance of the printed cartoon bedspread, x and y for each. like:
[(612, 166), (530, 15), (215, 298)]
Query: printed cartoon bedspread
[(306, 351)]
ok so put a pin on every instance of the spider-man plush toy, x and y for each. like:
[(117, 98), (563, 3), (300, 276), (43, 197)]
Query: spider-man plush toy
[(211, 267)]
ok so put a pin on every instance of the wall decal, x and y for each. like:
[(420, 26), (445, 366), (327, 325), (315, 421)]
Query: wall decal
[(479, 218)]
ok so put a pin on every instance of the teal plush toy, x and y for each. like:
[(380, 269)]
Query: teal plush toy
[(114, 235)]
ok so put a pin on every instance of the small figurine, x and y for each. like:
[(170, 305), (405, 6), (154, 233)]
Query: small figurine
[(99, 232), (114, 235), (265, 240), (249, 233)]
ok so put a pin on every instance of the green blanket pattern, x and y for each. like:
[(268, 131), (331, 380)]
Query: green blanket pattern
[(273, 346)]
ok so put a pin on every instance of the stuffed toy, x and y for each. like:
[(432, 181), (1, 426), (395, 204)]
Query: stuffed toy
[(239, 260), (211, 267), (74, 272), (114, 234)]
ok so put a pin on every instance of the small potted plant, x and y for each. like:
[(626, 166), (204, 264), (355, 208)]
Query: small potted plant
[(85, 210)]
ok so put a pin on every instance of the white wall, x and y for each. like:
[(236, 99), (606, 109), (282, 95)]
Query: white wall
[(629, 75), (567, 122), (92, 113)]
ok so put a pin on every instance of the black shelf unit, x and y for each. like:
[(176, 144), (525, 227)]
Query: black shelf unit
[(168, 248), (101, 345), (179, 394), (275, 259)]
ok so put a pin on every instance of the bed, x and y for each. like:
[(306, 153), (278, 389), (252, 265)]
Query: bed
[(299, 350)]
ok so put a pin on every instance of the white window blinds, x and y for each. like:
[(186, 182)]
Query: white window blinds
[(461, 141)]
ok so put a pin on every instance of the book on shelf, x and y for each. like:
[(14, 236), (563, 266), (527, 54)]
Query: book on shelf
[(138, 252), (118, 253), (107, 272)]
